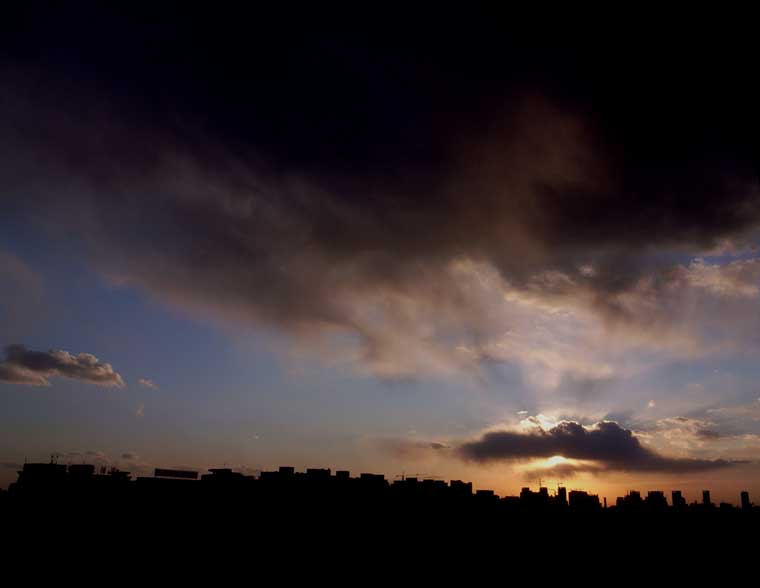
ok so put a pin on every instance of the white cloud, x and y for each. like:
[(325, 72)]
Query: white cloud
[(148, 383)]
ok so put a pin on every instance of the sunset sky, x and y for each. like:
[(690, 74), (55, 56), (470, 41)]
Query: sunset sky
[(475, 247)]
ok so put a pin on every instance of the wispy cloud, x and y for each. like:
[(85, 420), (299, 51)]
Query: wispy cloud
[(406, 449), (148, 383)]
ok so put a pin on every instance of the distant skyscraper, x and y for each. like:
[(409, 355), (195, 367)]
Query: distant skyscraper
[(746, 504), (706, 498), (581, 500), (656, 499)]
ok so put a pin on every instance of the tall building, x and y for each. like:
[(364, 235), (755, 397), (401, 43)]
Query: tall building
[(746, 504), (656, 499), (460, 488), (317, 474), (562, 495), (581, 500), (706, 498)]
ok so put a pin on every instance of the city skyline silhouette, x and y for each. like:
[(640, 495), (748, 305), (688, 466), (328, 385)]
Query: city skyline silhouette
[(44, 477)]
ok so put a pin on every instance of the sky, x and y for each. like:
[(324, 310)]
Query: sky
[(466, 246)]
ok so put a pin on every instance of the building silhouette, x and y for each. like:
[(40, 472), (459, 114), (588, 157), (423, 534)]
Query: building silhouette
[(656, 500), (677, 500), (286, 497)]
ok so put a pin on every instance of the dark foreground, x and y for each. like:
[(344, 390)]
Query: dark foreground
[(320, 517)]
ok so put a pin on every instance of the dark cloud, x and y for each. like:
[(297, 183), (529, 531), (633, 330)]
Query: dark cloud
[(609, 446), (34, 368), (266, 169)]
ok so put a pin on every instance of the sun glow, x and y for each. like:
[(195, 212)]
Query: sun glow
[(555, 460), (549, 463)]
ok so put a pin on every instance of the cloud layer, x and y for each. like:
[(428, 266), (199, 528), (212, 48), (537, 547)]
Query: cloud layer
[(415, 207), (606, 444), (35, 368)]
